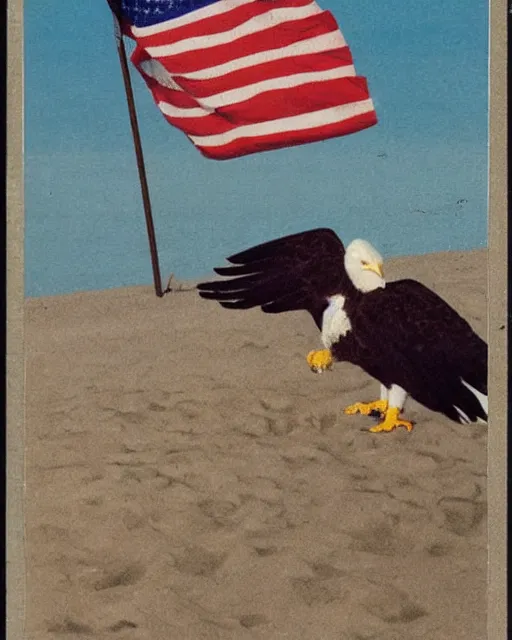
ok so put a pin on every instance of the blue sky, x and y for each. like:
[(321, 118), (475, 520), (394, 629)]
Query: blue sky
[(414, 183)]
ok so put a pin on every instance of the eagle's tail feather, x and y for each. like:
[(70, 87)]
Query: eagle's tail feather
[(479, 395), (466, 404)]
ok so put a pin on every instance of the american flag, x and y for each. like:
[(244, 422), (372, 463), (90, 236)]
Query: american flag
[(244, 76)]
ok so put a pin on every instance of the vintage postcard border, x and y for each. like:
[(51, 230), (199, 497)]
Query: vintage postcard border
[(497, 309)]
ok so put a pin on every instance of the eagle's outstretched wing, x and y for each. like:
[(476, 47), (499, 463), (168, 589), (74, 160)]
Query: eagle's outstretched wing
[(295, 272)]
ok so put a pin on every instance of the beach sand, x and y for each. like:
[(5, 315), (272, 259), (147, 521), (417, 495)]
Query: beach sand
[(188, 477)]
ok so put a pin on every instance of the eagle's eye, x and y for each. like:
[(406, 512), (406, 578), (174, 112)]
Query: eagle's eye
[(364, 263)]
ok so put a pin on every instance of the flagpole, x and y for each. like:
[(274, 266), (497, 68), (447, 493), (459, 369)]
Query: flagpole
[(138, 150)]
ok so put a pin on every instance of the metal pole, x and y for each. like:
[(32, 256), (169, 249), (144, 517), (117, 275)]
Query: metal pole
[(138, 152)]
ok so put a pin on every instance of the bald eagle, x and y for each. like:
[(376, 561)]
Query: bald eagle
[(401, 333)]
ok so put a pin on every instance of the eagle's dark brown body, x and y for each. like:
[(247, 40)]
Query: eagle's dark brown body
[(403, 334), (407, 335)]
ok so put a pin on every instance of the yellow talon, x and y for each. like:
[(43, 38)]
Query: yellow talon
[(319, 361), (367, 408), (392, 421)]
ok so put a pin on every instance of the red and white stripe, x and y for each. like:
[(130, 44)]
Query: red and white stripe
[(242, 76)]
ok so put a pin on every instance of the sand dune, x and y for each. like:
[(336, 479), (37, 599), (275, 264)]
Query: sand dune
[(189, 478)]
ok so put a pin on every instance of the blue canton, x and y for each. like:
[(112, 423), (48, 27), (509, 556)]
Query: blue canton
[(145, 13)]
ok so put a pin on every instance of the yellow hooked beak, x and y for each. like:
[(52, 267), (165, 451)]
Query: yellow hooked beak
[(376, 267)]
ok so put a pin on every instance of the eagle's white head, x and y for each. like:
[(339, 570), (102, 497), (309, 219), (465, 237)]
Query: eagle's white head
[(364, 266)]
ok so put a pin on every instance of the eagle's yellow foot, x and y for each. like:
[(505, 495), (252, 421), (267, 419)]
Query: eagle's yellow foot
[(319, 361), (367, 408), (391, 421)]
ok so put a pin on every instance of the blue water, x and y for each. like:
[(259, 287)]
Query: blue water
[(415, 183), (85, 226)]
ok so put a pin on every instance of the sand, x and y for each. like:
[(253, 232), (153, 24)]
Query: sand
[(188, 477)]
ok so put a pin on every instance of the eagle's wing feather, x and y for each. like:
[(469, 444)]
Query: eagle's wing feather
[(427, 345), (298, 271), (289, 246), (257, 266)]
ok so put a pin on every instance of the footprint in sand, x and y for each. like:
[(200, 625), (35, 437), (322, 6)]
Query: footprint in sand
[(133, 520), (249, 344), (263, 552), (380, 538), (277, 403), (461, 515), (128, 417), (254, 425), (197, 561), (69, 626), (120, 625), (314, 591), (189, 408), (393, 606), (154, 406), (281, 426), (321, 423), (438, 550), (323, 570), (275, 417), (251, 620), (120, 577), (327, 585), (220, 511)]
